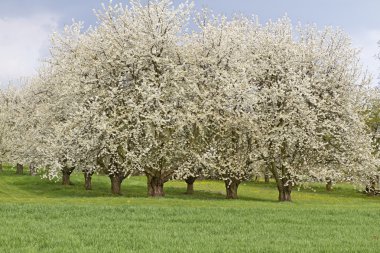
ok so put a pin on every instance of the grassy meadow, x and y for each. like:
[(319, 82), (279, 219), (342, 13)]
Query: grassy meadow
[(41, 216)]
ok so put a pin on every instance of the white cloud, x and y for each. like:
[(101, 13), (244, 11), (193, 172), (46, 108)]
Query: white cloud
[(23, 42), (367, 42)]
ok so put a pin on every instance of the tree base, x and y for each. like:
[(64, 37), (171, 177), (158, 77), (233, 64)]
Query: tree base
[(190, 185), (284, 196), (266, 176), (231, 189), (116, 181), (155, 186), (32, 170), (329, 186), (19, 169), (87, 180), (66, 179)]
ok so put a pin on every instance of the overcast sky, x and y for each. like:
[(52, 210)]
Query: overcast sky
[(25, 25)]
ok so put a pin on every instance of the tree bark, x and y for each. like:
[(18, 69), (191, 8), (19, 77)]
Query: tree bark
[(116, 181), (371, 189), (285, 193), (19, 169), (155, 186), (190, 185), (1, 167), (266, 177), (87, 179), (328, 184), (32, 169), (284, 189), (66, 172), (231, 189)]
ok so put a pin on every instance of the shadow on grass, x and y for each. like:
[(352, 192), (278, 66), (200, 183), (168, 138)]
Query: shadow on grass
[(339, 190), (135, 187), (25, 185)]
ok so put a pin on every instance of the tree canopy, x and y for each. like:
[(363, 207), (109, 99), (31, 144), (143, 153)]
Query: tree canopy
[(142, 93)]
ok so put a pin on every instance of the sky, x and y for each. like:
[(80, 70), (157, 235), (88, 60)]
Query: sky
[(26, 25)]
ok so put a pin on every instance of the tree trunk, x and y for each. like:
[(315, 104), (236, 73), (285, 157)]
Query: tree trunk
[(284, 185), (190, 185), (19, 169), (87, 179), (116, 181), (328, 184), (155, 186), (285, 193), (371, 189), (32, 169), (266, 176), (66, 172), (284, 190), (231, 189), (1, 167)]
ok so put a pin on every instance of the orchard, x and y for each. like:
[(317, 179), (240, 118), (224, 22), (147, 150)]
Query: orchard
[(142, 94), (169, 93)]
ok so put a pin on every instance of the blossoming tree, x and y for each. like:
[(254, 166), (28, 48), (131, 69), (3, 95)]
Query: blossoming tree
[(307, 107)]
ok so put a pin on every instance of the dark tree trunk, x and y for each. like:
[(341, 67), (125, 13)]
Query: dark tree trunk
[(66, 178), (231, 189), (155, 186), (87, 179), (266, 176), (371, 189), (285, 193), (1, 167), (328, 184), (284, 186), (32, 169), (116, 181), (190, 185), (19, 169), (284, 189), (66, 172)]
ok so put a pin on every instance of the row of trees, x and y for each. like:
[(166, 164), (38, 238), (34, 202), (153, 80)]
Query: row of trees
[(227, 99)]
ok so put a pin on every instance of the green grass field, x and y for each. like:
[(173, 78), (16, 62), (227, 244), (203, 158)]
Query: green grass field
[(41, 216)]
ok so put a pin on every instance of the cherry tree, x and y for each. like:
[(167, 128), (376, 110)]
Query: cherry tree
[(138, 92), (224, 99), (12, 110), (372, 117), (80, 135), (307, 105), (142, 42), (6, 100), (61, 80), (123, 82)]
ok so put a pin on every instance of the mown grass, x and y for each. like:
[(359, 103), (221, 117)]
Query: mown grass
[(41, 216)]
